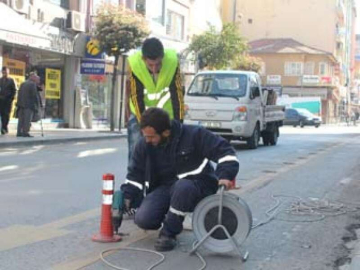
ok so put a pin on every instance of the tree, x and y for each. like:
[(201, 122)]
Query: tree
[(247, 62), (118, 30), (219, 50)]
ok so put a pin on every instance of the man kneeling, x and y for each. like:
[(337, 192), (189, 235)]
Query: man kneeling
[(171, 164)]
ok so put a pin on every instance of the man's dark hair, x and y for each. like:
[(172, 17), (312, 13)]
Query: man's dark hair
[(156, 118), (152, 48), (4, 68)]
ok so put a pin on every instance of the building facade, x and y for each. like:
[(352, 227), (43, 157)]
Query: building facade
[(327, 25), (297, 70)]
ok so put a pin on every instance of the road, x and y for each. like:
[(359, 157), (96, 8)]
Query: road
[(50, 198)]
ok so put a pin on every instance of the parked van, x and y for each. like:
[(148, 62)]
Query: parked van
[(234, 105)]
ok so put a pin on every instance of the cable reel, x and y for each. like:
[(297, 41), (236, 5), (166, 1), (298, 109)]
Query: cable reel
[(221, 223)]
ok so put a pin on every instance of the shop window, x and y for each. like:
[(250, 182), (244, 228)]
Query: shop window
[(175, 25)]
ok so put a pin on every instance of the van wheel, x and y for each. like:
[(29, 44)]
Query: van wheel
[(253, 141), (273, 138), (301, 124)]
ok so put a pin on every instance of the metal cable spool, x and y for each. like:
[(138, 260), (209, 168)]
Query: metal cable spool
[(222, 222)]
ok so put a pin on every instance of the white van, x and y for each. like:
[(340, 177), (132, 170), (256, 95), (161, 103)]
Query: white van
[(234, 105)]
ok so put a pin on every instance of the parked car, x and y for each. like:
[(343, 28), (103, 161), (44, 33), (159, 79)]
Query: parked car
[(301, 117)]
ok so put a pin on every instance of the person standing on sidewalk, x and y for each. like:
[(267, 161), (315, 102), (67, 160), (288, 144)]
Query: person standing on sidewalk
[(172, 163), (7, 94), (27, 104), (154, 81)]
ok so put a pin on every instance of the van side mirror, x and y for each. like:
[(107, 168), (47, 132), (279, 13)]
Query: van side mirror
[(255, 92)]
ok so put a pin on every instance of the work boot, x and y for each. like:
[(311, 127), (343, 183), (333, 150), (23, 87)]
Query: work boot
[(165, 243)]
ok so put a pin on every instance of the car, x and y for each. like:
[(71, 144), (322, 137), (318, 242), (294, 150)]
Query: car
[(301, 117)]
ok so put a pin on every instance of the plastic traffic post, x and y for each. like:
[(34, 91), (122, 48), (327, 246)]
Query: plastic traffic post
[(106, 233)]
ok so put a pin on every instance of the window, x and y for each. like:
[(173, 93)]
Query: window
[(254, 86), (323, 69), (221, 85), (309, 68), (62, 3), (158, 11), (141, 7), (175, 25), (293, 68)]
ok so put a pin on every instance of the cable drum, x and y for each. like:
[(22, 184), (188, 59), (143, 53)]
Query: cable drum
[(235, 217)]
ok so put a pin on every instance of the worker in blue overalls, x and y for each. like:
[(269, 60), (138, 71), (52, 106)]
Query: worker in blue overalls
[(172, 163)]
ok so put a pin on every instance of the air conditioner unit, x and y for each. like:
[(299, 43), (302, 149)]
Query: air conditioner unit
[(76, 21), (21, 6)]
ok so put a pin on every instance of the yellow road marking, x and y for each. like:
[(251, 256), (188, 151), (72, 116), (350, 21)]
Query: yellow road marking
[(20, 235)]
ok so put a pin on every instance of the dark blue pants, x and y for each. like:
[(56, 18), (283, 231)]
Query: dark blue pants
[(168, 205)]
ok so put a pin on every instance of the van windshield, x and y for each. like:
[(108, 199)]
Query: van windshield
[(219, 85)]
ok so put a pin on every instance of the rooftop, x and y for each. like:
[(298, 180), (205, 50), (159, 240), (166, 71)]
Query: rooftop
[(282, 45)]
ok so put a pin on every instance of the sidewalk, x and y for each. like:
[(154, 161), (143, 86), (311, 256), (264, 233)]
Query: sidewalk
[(57, 135)]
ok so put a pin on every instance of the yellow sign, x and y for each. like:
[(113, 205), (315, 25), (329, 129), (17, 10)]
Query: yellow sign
[(17, 72), (93, 47), (52, 83)]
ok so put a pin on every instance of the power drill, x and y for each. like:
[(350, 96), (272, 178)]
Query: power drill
[(118, 207)]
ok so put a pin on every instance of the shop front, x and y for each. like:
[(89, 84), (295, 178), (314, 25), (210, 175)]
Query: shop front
[(33, 47)]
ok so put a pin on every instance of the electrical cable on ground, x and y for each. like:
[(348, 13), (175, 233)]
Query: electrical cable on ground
[(148, 251), (316, 208), (131, 249)]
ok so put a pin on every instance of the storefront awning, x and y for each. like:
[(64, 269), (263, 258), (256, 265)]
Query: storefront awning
[(16, 29)]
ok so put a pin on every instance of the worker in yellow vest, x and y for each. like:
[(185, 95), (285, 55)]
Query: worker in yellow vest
[(154, 81)]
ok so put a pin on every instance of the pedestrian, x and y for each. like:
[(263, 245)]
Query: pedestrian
[(27, 104), (171, 163), (7, 94), (154, 81)]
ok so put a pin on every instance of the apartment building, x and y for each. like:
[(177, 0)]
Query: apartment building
[(299, 71), (326, 25)]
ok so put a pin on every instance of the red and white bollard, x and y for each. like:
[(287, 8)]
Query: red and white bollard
[(106, 233)]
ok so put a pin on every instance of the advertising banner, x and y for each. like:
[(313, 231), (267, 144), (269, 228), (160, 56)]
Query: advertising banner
[(52, 83)]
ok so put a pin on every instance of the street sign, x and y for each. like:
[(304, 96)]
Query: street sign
[(89, 66)]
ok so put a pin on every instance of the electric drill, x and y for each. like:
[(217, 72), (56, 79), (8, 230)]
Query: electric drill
[(118, 207)]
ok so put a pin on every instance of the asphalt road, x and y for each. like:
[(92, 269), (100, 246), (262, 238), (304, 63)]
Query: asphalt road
[(50, 198)]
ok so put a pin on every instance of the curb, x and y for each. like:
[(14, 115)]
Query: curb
[(50, 141)]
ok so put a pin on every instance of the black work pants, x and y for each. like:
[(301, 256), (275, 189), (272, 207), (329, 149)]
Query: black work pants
[(169, 205), (5, 109)]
